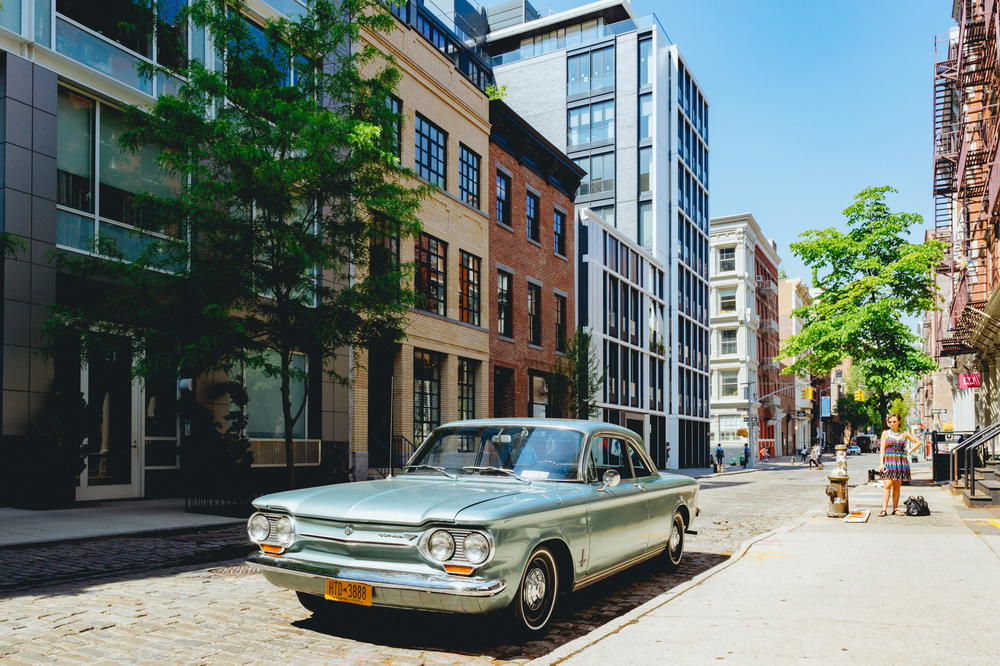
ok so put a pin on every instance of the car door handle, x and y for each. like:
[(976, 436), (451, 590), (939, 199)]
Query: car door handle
[(641, 486)]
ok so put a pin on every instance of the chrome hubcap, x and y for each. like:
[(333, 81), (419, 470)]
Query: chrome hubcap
[(675, 538), (534, 588)]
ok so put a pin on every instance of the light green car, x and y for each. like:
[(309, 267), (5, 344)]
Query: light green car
[(488, 515)]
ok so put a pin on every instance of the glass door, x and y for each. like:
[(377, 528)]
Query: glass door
[(112, 464)]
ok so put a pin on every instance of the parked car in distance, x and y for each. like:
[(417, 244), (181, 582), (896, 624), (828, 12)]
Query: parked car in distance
[(854, 450), (867, 443), (488, 515)]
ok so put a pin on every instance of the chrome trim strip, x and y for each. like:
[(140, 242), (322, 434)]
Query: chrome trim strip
[(615, 568), (408, 544), (399, 580)]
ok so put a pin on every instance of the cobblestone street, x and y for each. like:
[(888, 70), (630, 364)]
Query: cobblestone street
[(225, 613)]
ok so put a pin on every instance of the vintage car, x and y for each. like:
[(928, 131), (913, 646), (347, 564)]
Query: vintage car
[(487, 515)]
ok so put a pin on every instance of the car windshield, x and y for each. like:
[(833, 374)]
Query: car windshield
[(529, 452)]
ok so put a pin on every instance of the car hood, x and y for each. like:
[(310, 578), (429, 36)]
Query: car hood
[(393, 501)]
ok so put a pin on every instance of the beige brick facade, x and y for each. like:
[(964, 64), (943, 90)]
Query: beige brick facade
[(431, 86)]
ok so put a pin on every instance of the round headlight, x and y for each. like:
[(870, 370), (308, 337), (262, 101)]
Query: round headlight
[(258, 528), (441, 546), (284, 533), (477, 548)]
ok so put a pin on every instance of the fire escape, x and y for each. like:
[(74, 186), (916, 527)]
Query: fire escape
[(966, 170)]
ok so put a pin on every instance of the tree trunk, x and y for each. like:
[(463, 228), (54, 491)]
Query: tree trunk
[(286, 412)]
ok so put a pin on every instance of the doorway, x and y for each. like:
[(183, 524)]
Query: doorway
[(113, 466)]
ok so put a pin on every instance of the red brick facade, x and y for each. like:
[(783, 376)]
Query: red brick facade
[(530, 264)]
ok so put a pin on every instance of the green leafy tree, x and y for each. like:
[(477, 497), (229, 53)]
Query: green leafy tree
[(870, 277), (290, 197), (576, 378)]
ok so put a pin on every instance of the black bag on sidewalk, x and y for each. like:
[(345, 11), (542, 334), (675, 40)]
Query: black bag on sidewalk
[(917, 506)]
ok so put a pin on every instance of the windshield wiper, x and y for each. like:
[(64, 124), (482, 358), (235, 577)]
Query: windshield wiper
[(433, 467), (473, 468)]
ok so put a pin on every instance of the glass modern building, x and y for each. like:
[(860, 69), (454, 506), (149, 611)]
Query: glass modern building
[(612, 91)]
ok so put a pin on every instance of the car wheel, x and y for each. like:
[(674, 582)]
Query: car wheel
[(675, 544), (537, 593)]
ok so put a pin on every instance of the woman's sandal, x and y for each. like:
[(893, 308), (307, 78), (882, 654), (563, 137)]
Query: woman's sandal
[(897, 512), (881, 514)]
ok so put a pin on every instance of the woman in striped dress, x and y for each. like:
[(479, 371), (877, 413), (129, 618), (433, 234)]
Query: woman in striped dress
[(895, 462)]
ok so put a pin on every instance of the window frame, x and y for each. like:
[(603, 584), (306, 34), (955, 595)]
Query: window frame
[(505, 303), (502, 212), (432, 403), (534, 314), (724, 295), (467, 388), (532, 212), (559, 232), (729, 389), (436, 277), (727, 259), (469, 288), (437, 142), (469, 162), (561, 311), (724, 344)]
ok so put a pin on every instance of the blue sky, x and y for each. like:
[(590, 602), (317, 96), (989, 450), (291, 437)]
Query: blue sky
[(811, 101)]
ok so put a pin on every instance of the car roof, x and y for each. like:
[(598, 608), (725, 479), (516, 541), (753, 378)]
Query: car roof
[(587, 427)]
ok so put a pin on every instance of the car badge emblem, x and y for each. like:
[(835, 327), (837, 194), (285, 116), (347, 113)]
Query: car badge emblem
[(348, 531)]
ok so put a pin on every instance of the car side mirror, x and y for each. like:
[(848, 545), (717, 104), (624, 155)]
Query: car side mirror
[(611, 479)]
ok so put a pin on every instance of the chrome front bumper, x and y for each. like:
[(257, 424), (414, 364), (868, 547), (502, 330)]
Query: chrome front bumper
[(380, 578)]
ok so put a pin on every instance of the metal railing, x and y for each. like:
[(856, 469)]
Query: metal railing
[(396, 454), (963, 456)]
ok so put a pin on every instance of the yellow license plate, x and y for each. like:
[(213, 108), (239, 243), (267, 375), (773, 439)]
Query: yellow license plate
[(352, 593)]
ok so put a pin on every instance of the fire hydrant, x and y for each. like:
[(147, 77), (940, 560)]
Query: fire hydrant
[(837, 489)]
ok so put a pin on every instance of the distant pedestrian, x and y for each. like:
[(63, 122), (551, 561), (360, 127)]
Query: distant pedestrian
[(719, 455), (894, 463), (803, 452), (746, 455), (815, 457)]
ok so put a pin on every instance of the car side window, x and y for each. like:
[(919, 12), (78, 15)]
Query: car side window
[(638, 463), (609, 453)]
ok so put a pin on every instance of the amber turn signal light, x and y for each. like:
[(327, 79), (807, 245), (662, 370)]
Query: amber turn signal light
[(458, 569), (271, 550)]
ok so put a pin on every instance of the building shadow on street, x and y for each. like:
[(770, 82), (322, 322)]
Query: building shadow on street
[(578, 614)]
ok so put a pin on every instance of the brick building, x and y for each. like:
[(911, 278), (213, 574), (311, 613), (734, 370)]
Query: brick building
[(531, 262)]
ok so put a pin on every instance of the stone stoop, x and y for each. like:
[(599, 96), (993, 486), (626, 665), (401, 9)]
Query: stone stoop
[(979, 500), (991, 488)]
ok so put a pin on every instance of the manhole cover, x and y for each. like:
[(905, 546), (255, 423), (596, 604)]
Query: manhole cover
[(235, 570)]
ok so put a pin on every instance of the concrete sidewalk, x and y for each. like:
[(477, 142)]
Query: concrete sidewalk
[(101, 519), (897, 589)]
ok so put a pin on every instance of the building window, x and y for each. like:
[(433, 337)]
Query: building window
[(600, 176), (97, 183), (559, 232), (591, 123), (396, 108), (645, 169), (505, 304), (431, 255), (590, 71), (264, 415), (645, 231), (534, 314), (560, 323), (729, 383), (729, 425), (727, 259), (431, 152), (645, 57), (468, 284), (727, 341), (503, 198), (531, 206), (606, 213), (645, 116), (467, 388), (426, 393), (727, 299), (538, 401), (468, 176)]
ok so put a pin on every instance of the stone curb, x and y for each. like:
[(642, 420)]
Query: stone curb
[(581, 644)]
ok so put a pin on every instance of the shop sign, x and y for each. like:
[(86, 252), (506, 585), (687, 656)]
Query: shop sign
[(947, 426), (969, 380)]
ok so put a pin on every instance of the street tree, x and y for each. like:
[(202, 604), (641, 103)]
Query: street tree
[(281, 236), (869, 278), (576, 378)]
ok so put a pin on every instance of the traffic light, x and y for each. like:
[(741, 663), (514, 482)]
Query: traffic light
[(859, 395), (807, 393)]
